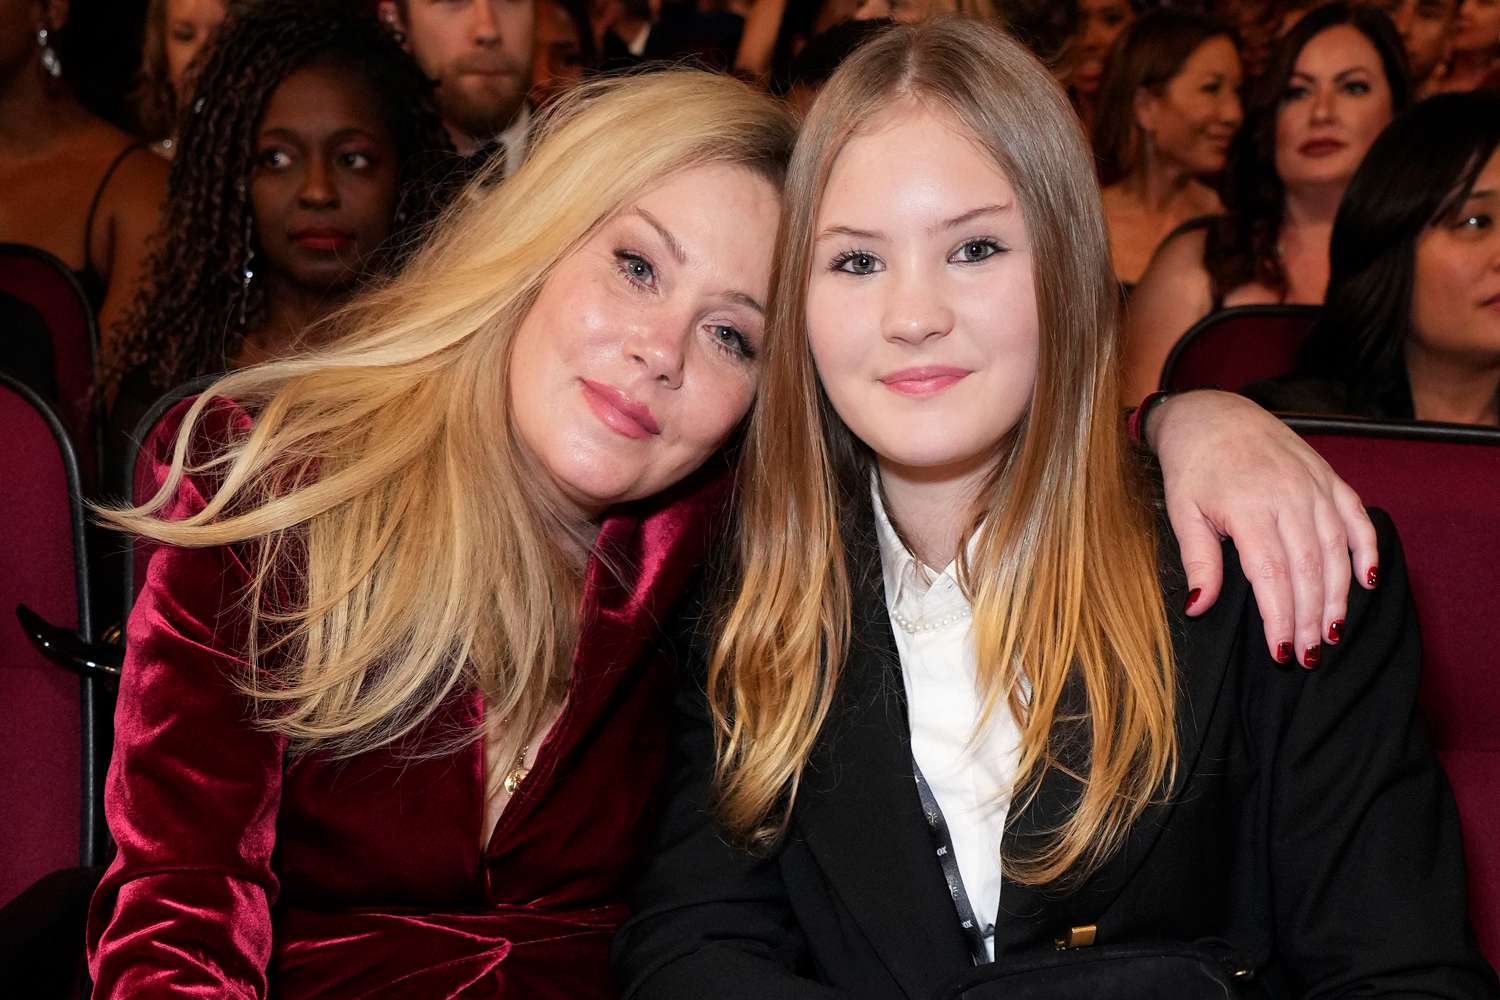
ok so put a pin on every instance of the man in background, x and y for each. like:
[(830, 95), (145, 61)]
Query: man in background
[(480, 54)]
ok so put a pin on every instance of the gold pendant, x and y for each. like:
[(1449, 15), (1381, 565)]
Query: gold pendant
[(514, 778)]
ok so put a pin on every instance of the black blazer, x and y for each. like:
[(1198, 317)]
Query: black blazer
[(1310, 827)]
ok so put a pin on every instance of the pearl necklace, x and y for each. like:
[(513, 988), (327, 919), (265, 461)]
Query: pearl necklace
[(936, 625)]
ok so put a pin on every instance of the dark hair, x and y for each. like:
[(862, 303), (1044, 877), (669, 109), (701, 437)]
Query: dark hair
[(186, 320), (1147, 55), (1392, 200), (155, 104), (823, 53), (1241, 246)]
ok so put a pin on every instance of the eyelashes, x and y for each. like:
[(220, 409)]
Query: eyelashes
[(975, 250)]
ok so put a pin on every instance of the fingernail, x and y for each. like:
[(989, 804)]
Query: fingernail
[(1192, 598), (1311, 655), (1336, 631), (1283, 652), (1371, 577)]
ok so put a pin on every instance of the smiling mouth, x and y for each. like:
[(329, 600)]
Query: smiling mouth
[(619, 412), (925, 381)]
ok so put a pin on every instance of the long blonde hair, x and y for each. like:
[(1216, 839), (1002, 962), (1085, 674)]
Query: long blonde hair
[(383, 471), (1063, 577)]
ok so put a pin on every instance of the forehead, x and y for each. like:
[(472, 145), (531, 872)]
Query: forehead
[(1215, 54), (723, 216), (319, 98), (913, 159), (1336, 49), (198, 11)]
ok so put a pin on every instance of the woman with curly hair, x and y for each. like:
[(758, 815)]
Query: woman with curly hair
[(1334, 81), (312, 157)]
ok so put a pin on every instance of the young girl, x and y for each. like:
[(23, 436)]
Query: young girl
[(959, 714)]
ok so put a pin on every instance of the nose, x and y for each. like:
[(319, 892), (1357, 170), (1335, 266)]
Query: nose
[(318, 188), (1322, 104), (660, 349), (1231, 111), (485, 28), (916, 311)]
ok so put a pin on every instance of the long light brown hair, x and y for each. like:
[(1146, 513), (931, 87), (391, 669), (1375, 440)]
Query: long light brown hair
[(385, 466), (1063, 576)]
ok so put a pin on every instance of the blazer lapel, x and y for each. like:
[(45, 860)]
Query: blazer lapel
[(1032, 917), (858, 807)]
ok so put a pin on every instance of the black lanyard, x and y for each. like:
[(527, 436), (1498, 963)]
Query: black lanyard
[(948, 861)]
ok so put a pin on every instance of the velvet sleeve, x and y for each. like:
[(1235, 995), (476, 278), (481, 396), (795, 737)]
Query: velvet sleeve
[(1367, 861), (193, 788)]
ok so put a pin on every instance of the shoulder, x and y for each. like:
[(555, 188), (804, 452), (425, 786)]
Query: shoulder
[(203, 434), (138, 182)]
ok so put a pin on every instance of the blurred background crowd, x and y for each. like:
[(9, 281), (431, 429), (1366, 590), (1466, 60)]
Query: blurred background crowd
[(216, 177)]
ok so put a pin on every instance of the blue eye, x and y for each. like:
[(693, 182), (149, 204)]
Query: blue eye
[(856, 262), (974, 251), (636, 268), (731, 341)]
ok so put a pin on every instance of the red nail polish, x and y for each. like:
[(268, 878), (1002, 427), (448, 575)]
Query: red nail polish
[(1371, 577), (1311, 655), (1336, 631), (1283, 652), (1192, 598)]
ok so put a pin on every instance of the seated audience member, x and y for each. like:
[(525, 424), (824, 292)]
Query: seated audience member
[(176, 31), (1426, 28), (952, 734), (347, 164), (480, 53), (1168, 109), (70, 183), (1334, 81), (1474, 52), (564, 49), (1411, 325), (776, 32), (1099, 23)]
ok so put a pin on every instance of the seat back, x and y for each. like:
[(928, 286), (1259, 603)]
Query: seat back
[(143, 484), (44, 773), (42, 281), (1231, 348), (1441, 485)]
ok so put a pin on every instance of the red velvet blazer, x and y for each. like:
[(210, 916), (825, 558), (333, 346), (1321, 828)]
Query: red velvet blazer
[(244, 873)]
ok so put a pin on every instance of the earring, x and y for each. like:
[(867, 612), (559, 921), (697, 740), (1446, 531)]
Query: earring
[(247, 273), (51, 61)]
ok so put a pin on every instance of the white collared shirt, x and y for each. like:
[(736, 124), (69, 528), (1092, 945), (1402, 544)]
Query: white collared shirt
[(514, 138), (971, 778)]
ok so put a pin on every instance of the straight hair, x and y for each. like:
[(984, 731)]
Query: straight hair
[(1063, 574)]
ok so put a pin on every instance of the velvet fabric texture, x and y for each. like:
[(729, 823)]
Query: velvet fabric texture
[(243, 872)]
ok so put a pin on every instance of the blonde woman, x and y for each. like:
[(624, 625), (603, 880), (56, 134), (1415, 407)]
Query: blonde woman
[(961, 719), (391, 720)]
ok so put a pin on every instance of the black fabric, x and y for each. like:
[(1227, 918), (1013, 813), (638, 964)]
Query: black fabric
[(1310, 829), (1301, 394), (41, 936), (26, 346), (1135, 972)]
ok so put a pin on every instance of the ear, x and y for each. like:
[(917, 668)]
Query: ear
[(53, 14), (390, 15), (1144, 109)]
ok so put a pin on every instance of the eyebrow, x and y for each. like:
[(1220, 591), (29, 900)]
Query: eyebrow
[(946, 224), (680, 255), (1336, 77), (673, 246)]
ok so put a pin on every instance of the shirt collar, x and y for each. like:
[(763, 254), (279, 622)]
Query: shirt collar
[(913, 591)]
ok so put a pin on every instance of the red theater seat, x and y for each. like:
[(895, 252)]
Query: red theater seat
[(42, 281), (1441, 485), (1231, 348), (43, 760)]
